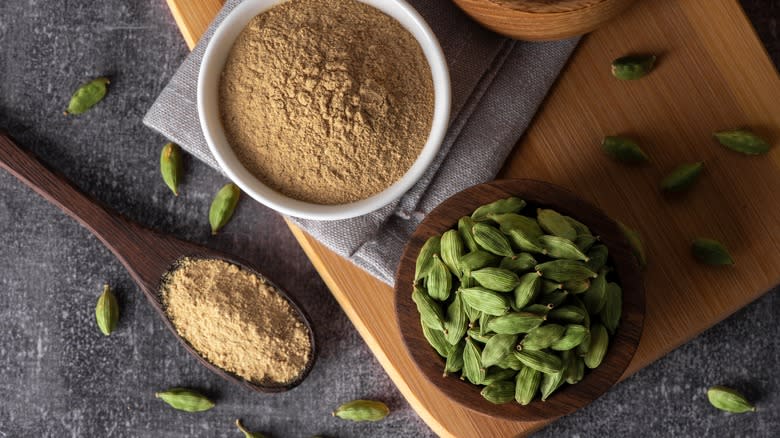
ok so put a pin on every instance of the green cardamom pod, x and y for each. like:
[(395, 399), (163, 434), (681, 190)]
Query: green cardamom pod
[(613, 306), (515, 323), (525, 242), (452, 250), (742, 140), (512, 221), (553, 299), (565, 270), (472, 363), (495, 374), (577, 286), (425, 257), (456, 320), (598, 255), (562, 248), (632, 67), (223, 206), (623, 149), (711, 252), (465, 225), (247, 433), (171, 166), (508, 205), (580, 228), (550, 383), (538, 309), (585, 241), (574, 367), (479, 337), (510, 362), (527, 289), (436, 338), (568, 313), (550, 286), (499, 392), (472, 314), (497, 347), (476, 260), (729, 400), (682, 177), (541, 361), (575, 301), (486, 301), (527, 384), (555, 223), (541, 337), (438, 280), (185, 399), (107, 311), (454, 362), (430, 312), (492, 240), (519, 263), (599, 341), (573, 336), (596, 296), (87, 96), (484, 319), (362, 410), (635, 240), (497, 279)]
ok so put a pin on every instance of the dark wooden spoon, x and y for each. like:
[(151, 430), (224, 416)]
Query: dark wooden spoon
[(146, 254)]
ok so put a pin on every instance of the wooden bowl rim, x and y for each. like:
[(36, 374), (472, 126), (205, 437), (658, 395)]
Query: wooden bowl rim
[(585, 5), (622, 346)]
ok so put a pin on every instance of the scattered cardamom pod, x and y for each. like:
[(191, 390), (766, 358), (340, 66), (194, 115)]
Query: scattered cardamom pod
[(518, 263), (527, 383), (508, 205), (425, 257), (623, 149), (497, 279), (497, 347), (452, 250), (742, 140), (473, 370), (184, 399), (682, 177), (499, 392), (248, 434), (171, 166), (515, 323), (711, 252), (729, 400), (562, 248), (485, 300), (635, 240), (542, 337), (599, 341), (526, 290), (492, 240), (555, 223), (565, 270), (87, 96), (456, 320), (430, 312), (362, 410), (438, 280), (541, 361), (223, 206), (465, 226), (632, 67), (436, 338), (572, 337), (107, 311)]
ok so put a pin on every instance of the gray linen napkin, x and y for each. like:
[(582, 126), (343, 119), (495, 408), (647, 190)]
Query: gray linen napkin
[(497, 86)]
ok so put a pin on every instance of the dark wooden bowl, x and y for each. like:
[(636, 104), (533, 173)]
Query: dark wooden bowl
[(536, 193)]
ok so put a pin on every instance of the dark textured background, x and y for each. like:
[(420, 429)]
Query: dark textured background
[(60, 377)]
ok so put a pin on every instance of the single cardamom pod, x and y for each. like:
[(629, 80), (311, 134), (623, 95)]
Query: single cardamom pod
[(568, 313), (742, 140), (613, 306), (479, 337), (510, 362), (538, 309), (495, 374), (465, 225), (223, 206), (454, 362), (484, 319), (456, 320), (541, 361), (107, 311), (87, 96), (527, 384), (512, 221), (515, 323), (562, 248), (682, 177), (492, 240), (585, 241), (477, 260), (550, 383), (635, 240), (596, 296), (436, 338), (525, 242), (575, 301), (362, 410), (599, 341), (248, 434), (550, 286), (184, 399), (580, 228), (572, 337), (452, 250), (171, 166), (553, 299), (527, 289), (711, 252), (472, 314), (542, 337), (519, 263), (430, 312), (438, 280), (499, 392), (555, 223), (729, 400), (425, 257), (497, 347), (577, 286), (486, 301), (472, 363), (565, 270), (632, 67), (598, 255), (497, 279), (623, 149), (577, 372), (508, 205), (570, 371)]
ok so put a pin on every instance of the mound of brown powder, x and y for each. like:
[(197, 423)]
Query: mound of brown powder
[(326, 101), (236, 321)]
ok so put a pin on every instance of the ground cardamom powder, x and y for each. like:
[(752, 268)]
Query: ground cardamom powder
[(326, 101), (236, 320)]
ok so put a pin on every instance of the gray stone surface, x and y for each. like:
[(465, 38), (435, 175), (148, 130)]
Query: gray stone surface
[(60, 377)]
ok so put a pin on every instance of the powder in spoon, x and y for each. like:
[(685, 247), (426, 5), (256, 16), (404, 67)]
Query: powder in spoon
[(326, 101), (236, 320)]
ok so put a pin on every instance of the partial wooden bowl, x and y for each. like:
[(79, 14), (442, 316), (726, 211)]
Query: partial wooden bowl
[(538, 194), (543, 19)]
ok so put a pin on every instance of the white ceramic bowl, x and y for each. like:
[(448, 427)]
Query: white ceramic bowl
[(208, 109)]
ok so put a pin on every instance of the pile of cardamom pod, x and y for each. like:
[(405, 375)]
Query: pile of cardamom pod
[(518, 304)]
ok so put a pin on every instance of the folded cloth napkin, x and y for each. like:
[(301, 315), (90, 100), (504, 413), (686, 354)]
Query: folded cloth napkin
[(497, 86)]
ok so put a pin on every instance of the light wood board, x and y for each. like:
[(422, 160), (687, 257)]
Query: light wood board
[(713, 73)]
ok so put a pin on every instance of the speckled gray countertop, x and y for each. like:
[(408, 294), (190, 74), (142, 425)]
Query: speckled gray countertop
[(60, 377)]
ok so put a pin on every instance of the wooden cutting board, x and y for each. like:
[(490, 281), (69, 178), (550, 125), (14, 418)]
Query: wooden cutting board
[(713, 73)]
